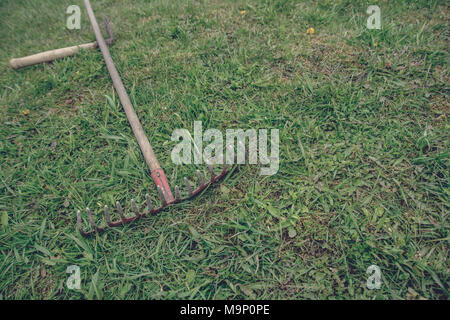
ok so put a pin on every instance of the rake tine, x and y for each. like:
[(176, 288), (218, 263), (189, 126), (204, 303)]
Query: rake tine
[(107, 23), (188, 185), (107, 216), (225, 165), (149, 203), (79, 222), (120, 210), (200, 178), (161, 196), (157, 173), (177, 193), (245, 150), (90, 218), (133, 205), (231, 149), (211, 171)]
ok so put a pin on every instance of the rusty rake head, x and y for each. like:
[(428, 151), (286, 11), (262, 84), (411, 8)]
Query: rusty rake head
[(110, 40), (147, 208)]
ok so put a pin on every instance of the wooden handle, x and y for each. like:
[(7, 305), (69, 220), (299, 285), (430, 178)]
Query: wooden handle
[(149, 156), (48, 56)]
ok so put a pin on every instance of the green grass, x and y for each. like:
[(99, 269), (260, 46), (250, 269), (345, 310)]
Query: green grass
[(364, 150)]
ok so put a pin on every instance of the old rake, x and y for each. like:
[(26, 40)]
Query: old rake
[(165, 193)]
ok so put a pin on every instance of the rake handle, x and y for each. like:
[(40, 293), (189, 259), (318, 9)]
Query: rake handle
[(149, 156), (48, 56)]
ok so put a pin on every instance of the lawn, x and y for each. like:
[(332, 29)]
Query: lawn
[(364, 150)]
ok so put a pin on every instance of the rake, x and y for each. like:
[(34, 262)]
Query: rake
[(157, 173)]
